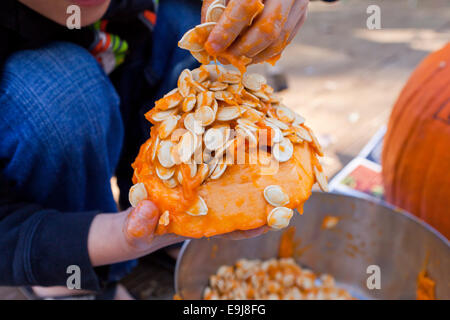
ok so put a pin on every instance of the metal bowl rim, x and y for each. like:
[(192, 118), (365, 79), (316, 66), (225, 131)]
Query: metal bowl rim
[(408, 215)]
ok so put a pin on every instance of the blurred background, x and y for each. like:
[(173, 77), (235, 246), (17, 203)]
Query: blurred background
[(344, 78)]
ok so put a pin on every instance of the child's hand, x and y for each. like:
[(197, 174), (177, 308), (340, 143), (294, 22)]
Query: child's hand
[(268, 34), (131, 234), (127, 235)]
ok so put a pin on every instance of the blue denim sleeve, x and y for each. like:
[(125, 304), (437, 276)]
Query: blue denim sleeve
[(33, 252)]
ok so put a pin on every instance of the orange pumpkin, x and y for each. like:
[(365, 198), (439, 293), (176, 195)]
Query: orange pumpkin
[(271, 168), (416, 153)]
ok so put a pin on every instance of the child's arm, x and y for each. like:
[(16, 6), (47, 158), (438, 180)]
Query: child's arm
[(126, 235)]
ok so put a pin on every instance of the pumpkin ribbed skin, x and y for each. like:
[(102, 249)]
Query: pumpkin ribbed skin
[(416, 153)]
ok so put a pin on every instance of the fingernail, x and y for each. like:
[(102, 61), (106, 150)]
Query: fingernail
[(213, 47)]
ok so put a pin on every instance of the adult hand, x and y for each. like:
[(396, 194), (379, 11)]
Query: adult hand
[(268, 34)]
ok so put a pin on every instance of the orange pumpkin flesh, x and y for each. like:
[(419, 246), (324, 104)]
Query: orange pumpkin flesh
[(235, 201), (416, 153)]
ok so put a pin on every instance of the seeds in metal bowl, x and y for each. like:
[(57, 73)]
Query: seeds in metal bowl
[(275, 196), (279, 217), (137, 193)]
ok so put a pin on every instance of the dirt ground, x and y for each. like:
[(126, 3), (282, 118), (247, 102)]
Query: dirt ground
[(344, 79)]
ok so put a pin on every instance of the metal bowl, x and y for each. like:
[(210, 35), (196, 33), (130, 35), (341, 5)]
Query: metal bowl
[(367, 234)]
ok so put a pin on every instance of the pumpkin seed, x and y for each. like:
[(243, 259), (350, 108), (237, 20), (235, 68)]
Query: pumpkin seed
[(193, 125), (298, 120), (198, 209), (218, 86), (183, 82), (214, 138), (164, 154), (164, 219), (302, 133), (155, 148), (194, 39), (321, 179), (170, 183), (275, 196), (285, 114), (229, 113), (214, 12), (189, 103), (187, 146), (137, 193), (278, 123), (164, 173), (279, 217), (167, 126), (163, 115), (283, 151), (219, 171), (253, 81), (316, 143), (205, 115)]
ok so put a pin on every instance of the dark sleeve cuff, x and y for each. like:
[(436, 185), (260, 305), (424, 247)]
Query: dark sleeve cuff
[(52, 243)]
